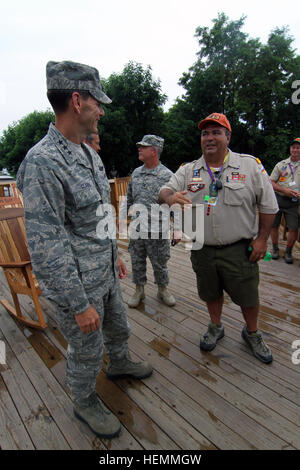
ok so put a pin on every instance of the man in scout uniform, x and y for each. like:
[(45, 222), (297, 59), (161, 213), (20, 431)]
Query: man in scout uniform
[(285, 179), (151, 238), (66, 192), (231, 186)]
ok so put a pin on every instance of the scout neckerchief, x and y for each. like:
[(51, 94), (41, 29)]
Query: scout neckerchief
[(215, 185)]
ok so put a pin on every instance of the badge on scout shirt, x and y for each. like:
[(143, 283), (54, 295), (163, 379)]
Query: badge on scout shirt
[(242, 178), (282, 178), (195, 186), (196, 183), (235, 176), (261, 167)]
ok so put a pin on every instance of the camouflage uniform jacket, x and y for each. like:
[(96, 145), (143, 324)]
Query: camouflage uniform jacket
[(64, 186), (144, 188)]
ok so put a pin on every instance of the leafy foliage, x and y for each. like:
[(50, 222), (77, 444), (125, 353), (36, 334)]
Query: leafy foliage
[(21, 136), (249, 81), (246, 80), (136, 109)]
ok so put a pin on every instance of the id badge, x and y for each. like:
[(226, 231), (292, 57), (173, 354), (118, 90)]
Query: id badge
[(213, 192), (213, 195), (211, 200)]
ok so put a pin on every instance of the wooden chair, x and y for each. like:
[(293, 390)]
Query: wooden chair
[(10, 196), (120, 189), (8, 201), (16, 264)]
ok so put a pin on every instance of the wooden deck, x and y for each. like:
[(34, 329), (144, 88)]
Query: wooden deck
[(225, 399)]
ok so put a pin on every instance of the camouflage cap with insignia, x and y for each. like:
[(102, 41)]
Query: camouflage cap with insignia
[(150, 140), (69, 75)]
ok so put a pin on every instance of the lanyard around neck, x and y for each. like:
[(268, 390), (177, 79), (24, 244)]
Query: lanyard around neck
[(210, 172), (292, 170)]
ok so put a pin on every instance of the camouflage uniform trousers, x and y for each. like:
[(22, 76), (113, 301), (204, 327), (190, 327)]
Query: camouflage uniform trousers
[(158, 252), (85, 350)]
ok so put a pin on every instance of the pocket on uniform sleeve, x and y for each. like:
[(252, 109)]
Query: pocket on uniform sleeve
[(234, 193)]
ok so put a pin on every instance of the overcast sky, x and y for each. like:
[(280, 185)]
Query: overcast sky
[(107, 34)]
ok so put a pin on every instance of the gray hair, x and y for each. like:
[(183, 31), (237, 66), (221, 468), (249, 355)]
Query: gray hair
[(159, 151), (90, 137)]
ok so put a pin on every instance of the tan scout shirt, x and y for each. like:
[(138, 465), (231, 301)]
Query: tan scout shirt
[(283, 175), (246, 186)]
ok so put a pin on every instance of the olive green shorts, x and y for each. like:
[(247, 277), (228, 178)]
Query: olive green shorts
[(226, 269), (290, 211)]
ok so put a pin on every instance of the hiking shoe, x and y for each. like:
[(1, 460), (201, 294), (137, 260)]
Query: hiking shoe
[(137, 297), (256, 343), (209, 340), (275, 254), (127, 368), (164, 295), (288, 256), (98, 418)]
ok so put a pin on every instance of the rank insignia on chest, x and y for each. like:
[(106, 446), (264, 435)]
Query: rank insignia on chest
[(194, 186), (196, 173)]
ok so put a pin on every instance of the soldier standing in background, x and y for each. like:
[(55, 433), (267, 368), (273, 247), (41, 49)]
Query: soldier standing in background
[(65, 190), (93, 140), (152, 241)]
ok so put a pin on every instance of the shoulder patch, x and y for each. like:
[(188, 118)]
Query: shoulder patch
[(258, 161)]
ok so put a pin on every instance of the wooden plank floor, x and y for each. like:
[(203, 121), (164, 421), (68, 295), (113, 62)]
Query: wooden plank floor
[(225, 399)]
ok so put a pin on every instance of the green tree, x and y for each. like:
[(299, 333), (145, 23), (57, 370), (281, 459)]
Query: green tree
[(21, 136), (136, 109), (248, 81)]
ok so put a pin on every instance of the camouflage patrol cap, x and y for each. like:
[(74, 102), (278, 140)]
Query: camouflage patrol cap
[(150, 140), (69, 75)]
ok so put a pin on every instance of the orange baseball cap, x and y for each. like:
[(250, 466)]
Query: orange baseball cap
[(216, 118)]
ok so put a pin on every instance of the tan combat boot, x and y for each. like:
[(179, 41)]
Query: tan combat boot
[(99, 419), (164, 295), (137, 297)]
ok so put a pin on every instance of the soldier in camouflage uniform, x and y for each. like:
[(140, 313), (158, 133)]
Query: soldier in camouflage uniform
[(152, 232), (66, 198)]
